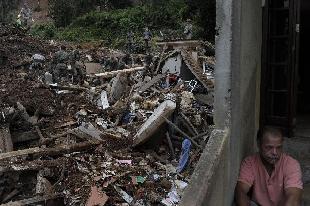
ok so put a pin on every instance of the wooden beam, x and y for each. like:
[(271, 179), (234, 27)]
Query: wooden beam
[(114, 73), (32, 165), (32, 200), (151, 83), (70, 88), (49, 151), (170, 145), (189, 123), (183, 133)]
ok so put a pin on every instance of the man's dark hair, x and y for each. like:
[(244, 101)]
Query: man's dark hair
[(275, 131)]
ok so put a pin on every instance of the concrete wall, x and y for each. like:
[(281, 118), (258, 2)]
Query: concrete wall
[(237, 91), (246, 66), (208, 180), (173, 65)]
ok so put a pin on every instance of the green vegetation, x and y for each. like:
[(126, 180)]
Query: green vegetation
[(112, 25), (45, 31), (8, 10)]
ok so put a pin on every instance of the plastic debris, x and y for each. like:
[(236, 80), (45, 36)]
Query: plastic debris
[(96, 197), (186, 146), (172, 198), (137, 179), (123, 194), (129, 162), (103, 101)]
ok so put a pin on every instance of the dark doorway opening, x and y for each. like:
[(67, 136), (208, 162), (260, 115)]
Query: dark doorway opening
[(303, 79)]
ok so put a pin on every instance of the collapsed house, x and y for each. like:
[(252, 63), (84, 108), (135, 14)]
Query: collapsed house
[(93, 126)]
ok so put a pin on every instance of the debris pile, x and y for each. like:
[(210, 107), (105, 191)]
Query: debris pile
[(82, 126)]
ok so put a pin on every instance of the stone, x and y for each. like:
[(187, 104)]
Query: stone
[(48, 77)]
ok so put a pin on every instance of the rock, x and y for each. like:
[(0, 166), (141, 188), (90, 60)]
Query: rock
[(48, 77)]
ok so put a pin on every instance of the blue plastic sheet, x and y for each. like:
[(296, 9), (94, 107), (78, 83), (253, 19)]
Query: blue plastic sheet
[(186, 147)]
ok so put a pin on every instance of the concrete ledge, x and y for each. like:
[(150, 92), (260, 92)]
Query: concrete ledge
[(205, 176), (184, 43)]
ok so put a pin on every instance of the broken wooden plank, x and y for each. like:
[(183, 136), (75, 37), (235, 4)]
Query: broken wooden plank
[(170, 145), (189, 123), (70, 88), (112, 136), (76, 132), (67, 124), (114, 73), (69, 131), (161, 58), (32, 165), (201, 134), (181, 132), (40, 134), (189, 129), (10, 195), (49, 151), (151, 83), (32, 200), (165, 109)]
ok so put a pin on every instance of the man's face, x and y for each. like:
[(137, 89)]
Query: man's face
[(271, 148)]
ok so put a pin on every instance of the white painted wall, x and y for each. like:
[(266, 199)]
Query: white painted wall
[(173, 65)]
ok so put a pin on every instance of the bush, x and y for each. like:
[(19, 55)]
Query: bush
[(65, 11), (46, 31), (111, 26)]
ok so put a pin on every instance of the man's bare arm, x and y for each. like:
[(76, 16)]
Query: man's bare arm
[(293, 196), (241, 194)]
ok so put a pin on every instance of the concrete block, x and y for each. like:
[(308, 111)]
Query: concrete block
[(165, 109)]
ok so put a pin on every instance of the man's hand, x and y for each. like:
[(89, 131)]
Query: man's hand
[(241, 194), (293, 196)]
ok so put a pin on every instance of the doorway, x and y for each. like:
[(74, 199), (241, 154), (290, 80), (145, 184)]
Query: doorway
[(303, 77), (285, 86)]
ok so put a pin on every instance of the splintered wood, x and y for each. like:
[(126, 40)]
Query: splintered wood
[(49, 151)]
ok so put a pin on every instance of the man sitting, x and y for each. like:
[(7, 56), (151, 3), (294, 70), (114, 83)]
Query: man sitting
[(273, 178)]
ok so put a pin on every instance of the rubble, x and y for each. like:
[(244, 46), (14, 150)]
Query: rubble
[(87, 126), (165, 109)]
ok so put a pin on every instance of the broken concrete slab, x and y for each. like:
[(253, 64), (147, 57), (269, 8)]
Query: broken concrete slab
[(165, 109), (151, 83), (93, 68), (43, 186), (119, 85), (90, 130), (6, 144), (196, 69)]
